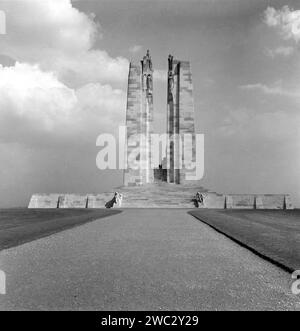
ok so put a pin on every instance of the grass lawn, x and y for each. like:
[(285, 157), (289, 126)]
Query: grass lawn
[(21, 225), (273, 234)]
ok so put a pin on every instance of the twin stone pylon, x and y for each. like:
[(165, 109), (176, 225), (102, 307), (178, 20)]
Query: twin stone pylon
[(139, 123)]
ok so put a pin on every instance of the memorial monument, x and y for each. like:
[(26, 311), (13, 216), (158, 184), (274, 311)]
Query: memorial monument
[(180, 121), (168, 185)]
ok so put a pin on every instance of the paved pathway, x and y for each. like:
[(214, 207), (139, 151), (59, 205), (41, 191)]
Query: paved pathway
[(141, 259)]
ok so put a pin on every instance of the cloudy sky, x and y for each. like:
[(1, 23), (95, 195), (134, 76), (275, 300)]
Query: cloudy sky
[(63, 75)]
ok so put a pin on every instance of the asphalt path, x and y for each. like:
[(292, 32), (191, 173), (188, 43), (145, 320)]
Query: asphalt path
[(142, 259)]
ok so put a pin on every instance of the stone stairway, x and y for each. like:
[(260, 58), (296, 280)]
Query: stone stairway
[(151, 196)]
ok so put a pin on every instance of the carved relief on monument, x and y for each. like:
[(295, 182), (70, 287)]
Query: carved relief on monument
[(170, 78), (147, 62), (147, 71), (149, 88), (149, 84)]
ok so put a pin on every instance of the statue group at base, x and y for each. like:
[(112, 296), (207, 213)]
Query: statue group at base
[(116, 200), (199, 199)]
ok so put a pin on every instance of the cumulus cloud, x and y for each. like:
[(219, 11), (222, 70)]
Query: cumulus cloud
[(135, 48), (31, 101), (36, 108), (94, 66), (2, 23), (49, 23), (60, 38), (286, 20), (280, 51), (275, 89), (61, 87), (274, 126)]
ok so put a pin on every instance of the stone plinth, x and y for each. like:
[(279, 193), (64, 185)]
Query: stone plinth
[(44, 201), (163, 195), (73, 201), (273, 201), (240, 201)]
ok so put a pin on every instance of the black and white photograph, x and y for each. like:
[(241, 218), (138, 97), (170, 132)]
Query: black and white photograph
[(149, 159)]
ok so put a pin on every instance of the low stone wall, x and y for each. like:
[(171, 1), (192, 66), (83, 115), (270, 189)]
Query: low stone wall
[(240, 201), (246, 201), (163, 199), (258, 201), (69, 200), (44, 201), (273, 201), (72, 201)]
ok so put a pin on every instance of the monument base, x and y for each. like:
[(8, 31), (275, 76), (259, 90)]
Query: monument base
[(163, 195)]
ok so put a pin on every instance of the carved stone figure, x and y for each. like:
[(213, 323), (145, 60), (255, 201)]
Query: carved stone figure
[(171, 82), (199, 199), (149, 84), (170, 77), (144, 82), (117, 199), (170, 62), (147, 62)]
